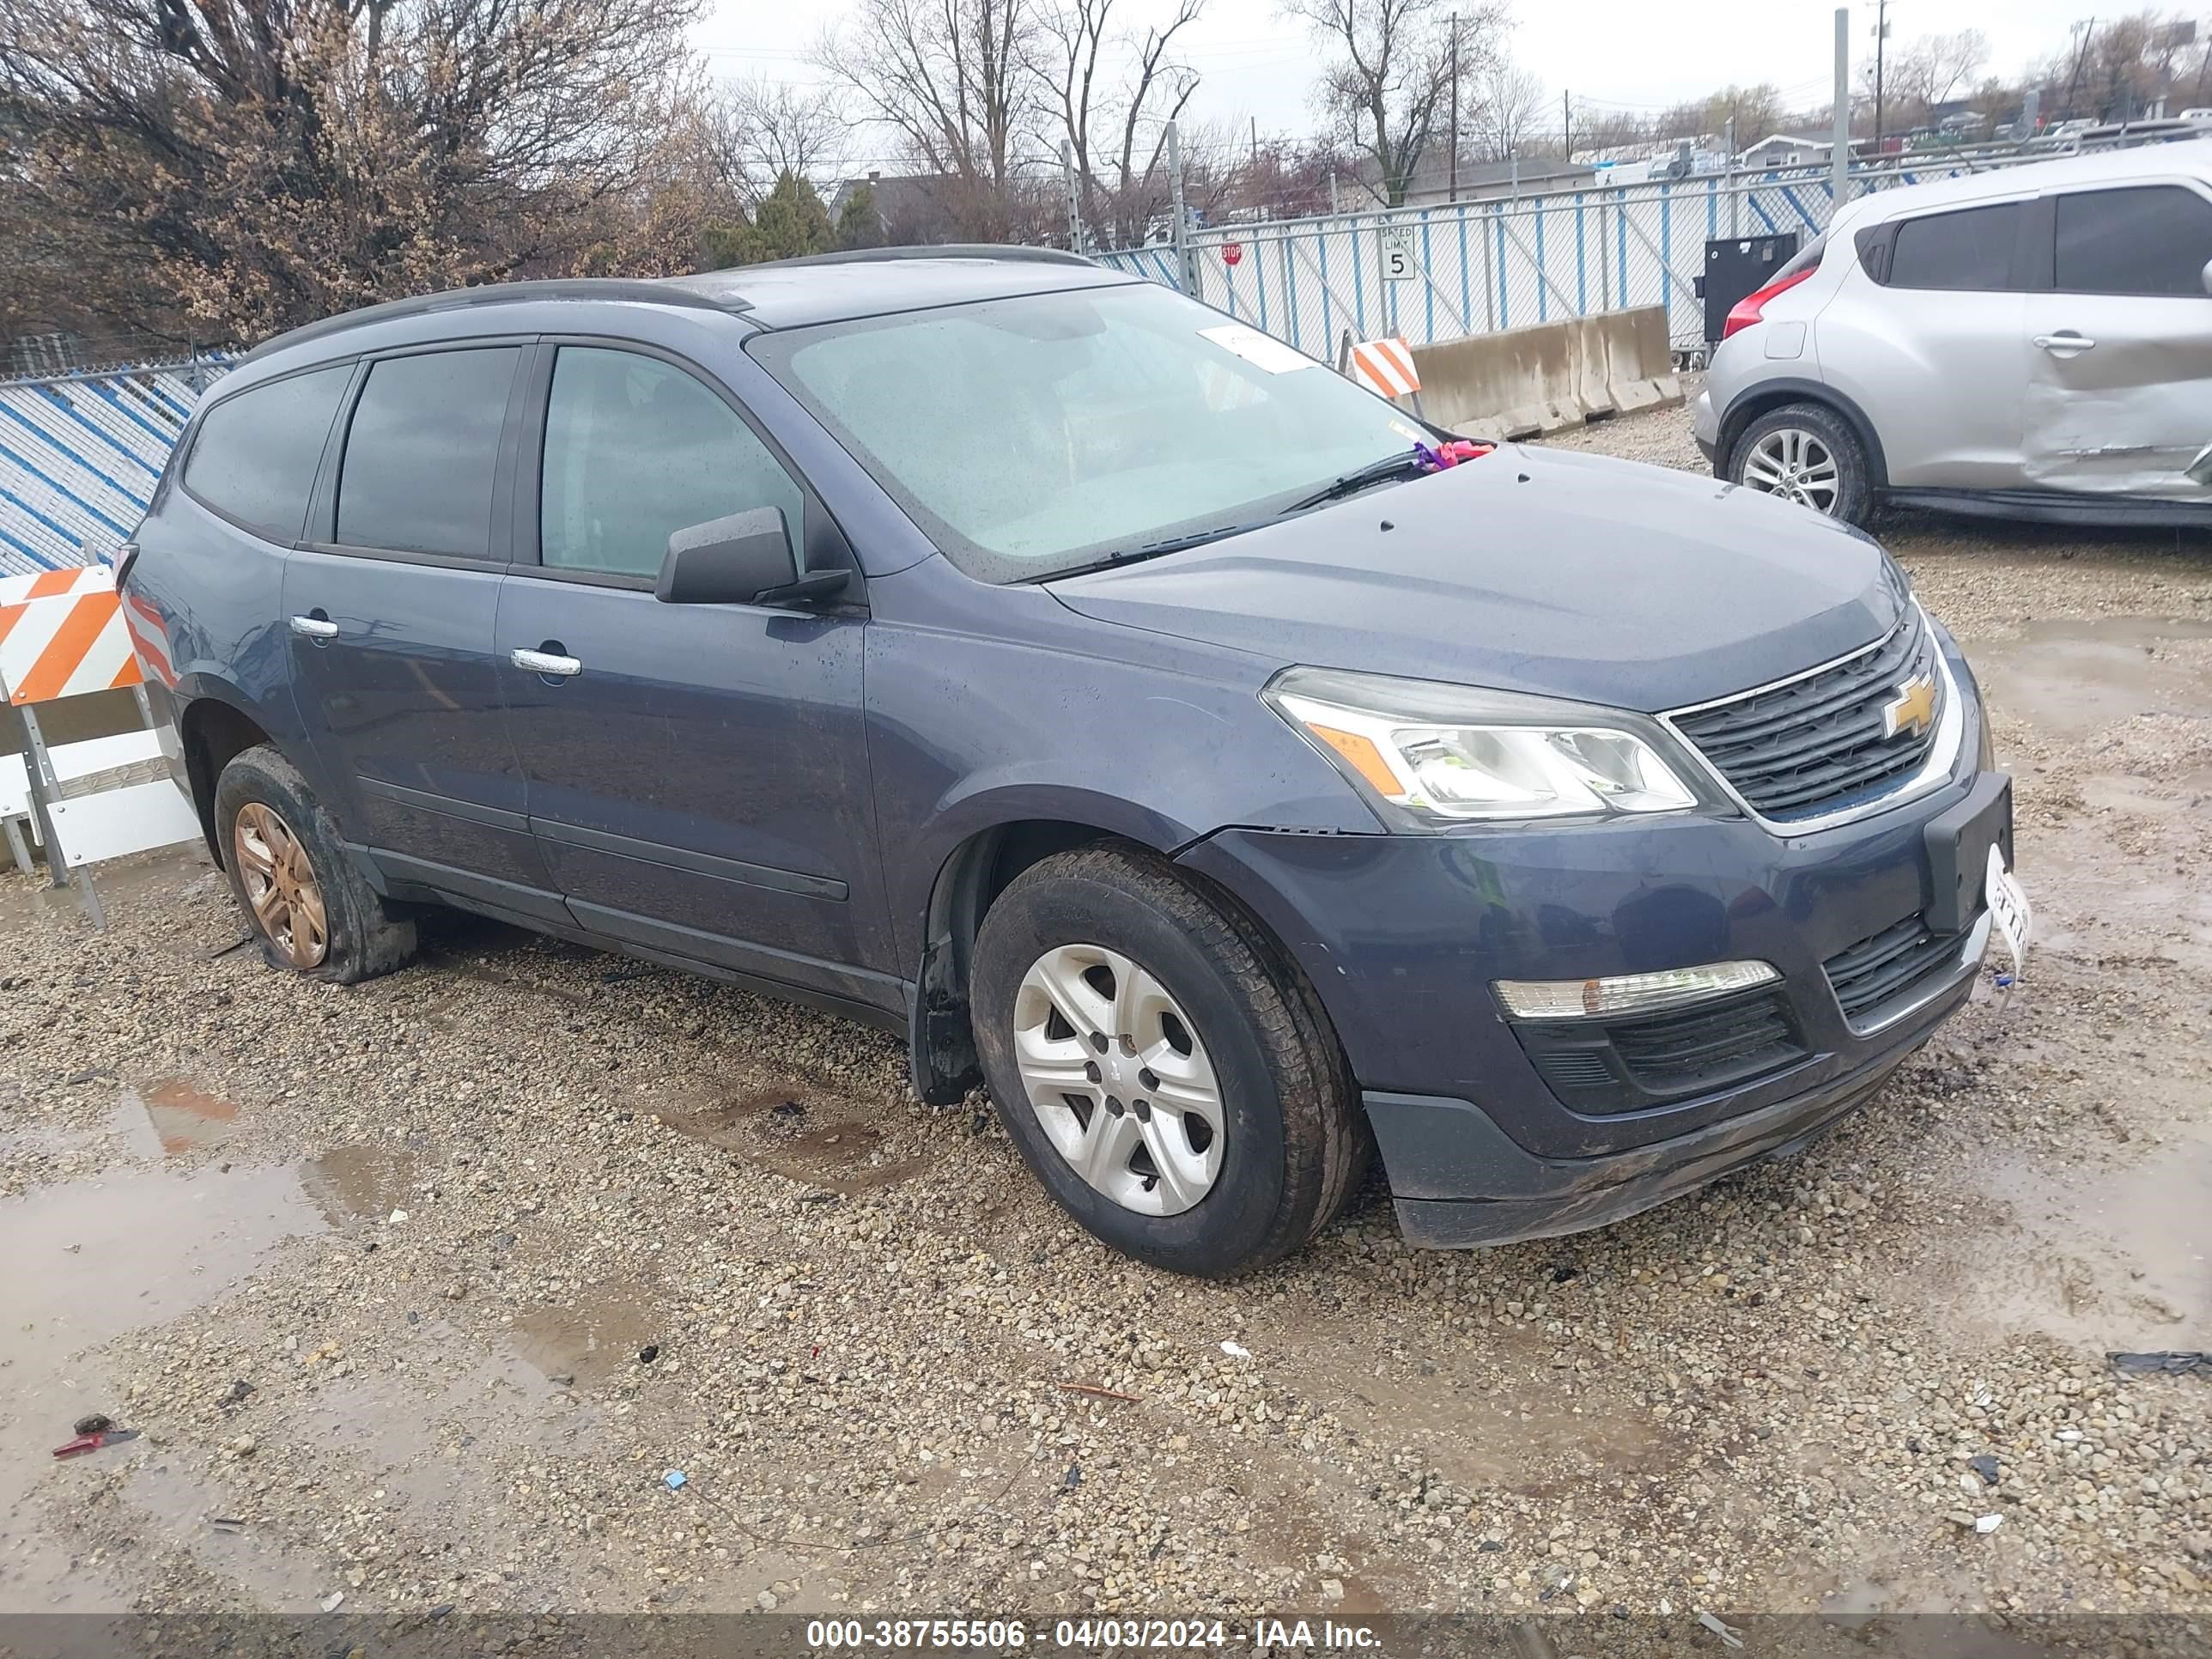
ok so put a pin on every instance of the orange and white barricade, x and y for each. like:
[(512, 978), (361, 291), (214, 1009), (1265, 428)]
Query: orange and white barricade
[(1384, 365), (63, 633)]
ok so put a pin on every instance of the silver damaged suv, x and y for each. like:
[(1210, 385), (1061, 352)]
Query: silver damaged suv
[(2034, 342)]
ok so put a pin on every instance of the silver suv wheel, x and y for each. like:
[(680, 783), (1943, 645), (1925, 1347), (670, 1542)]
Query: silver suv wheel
[(1118, 1078), (1794, 464)]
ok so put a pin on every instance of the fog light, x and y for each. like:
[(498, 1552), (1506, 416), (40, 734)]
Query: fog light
[(1628, 994)]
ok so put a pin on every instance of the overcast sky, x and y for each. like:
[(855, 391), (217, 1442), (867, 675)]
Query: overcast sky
[(1638, 54)]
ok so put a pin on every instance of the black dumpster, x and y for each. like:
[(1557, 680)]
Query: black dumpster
[(1735, 266)]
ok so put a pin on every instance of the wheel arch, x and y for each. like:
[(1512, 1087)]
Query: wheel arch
[(1769, 395), (213, 730), (973, 874)]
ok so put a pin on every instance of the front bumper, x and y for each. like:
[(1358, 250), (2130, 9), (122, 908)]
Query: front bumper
[(1455, 1143), (1483, 1140)]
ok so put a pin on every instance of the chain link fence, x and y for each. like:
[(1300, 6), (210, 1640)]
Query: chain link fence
[(80, 454), (1439, 273)]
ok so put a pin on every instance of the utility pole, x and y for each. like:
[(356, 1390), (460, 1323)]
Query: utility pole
[(1255, 149), (2074, 80), (1186, 265), (1839, 158), (1074, 199), (1880, 35), (1567, 127), (1735, 186), (1453, 192)]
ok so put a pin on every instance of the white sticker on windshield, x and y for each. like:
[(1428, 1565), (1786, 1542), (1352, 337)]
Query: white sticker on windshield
[(1260, 350)]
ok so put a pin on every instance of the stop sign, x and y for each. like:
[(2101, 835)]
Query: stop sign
[(1231, 253)]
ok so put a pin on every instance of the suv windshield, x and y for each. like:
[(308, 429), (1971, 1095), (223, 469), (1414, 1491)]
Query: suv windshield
[(1038, 435)]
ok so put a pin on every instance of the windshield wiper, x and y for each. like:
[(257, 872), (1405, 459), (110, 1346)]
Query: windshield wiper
[(1150, 551), (1410, 464)]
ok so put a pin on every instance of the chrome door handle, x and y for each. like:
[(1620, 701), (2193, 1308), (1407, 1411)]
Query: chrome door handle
[(544, 662), (315, 627), (2064, 341)]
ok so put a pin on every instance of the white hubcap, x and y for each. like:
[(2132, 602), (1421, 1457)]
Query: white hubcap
[(1118, 1080), (1794, 464)]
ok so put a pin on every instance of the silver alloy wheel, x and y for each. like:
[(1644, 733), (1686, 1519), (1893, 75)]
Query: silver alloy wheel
[(1118, 1078), (1794, 464)]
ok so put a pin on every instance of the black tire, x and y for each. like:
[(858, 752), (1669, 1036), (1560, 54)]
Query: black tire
[(1854, 502), (364, 935), (1296, 1144)]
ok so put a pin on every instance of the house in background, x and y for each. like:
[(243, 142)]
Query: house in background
[(1782, 149), (909, 207)]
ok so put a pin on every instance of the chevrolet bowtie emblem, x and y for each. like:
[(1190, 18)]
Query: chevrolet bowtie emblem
[(1913, 708)]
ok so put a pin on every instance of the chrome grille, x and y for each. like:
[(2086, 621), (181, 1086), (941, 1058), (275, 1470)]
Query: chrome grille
[(1800, 749)]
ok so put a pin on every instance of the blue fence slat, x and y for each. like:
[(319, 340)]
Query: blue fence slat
[(68, 445)]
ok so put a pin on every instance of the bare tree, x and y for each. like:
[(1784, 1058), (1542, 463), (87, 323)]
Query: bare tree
[(1112, 92), (233, 167), (953, 78), (763, 129), (1599, 130), (1388, 84), (1509, 112), (1757, 112), (1933, 70)]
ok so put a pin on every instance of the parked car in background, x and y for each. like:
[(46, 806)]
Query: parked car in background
[(2034, 341), (1034, 662)]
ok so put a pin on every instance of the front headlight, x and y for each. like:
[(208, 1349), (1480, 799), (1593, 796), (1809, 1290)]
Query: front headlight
[(1429, 755)]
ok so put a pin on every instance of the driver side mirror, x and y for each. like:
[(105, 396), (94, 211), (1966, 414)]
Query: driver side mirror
[(2205, 276), (743, 559)]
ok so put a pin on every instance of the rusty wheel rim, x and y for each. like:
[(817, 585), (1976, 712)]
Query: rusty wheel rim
[(281, 888)]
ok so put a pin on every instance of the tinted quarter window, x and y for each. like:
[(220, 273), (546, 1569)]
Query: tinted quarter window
[(254, 459), (417, 477), (1970, 249), (636, 449), (2152, 239)]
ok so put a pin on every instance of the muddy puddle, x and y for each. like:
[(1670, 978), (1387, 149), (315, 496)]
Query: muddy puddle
[(2103, 1249), (805, 1135), (588, 1338), (350, 1183), (140, 1245), (2073, 678), (185, 1118)]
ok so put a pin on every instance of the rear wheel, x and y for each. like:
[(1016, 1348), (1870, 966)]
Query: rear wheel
[(310, 909), (1808, 454), (1163, 1069)]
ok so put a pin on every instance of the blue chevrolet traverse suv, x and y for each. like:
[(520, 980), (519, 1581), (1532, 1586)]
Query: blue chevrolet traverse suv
[(1033, 661)]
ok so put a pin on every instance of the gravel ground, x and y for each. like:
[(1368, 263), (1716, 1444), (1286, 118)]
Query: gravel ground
[(428, 1285)]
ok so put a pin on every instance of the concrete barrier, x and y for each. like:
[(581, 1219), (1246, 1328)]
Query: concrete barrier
[(1522, 382)]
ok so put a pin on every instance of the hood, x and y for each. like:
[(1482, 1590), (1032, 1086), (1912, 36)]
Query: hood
[(1537, 570)]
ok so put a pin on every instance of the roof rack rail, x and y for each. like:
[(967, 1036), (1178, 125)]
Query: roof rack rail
[(1043, 255), (492, 293)]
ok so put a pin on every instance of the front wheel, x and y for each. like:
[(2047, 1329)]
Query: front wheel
[(1163, 1067), (310, 909), (1807, 454)]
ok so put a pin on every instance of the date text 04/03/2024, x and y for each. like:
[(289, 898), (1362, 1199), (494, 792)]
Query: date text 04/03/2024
[(1086, 1635)]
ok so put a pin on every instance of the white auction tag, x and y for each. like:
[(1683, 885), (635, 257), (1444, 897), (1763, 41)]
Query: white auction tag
[(1260, 350), (2009, 909)]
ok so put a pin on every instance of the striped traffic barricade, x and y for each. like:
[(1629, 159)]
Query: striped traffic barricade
[(62, 633), (1385, 366)]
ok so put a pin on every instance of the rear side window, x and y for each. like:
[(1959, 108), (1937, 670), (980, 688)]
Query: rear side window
[(2154, 239), (254, 459), (1970, 249), (417, 477), (636, 449)]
